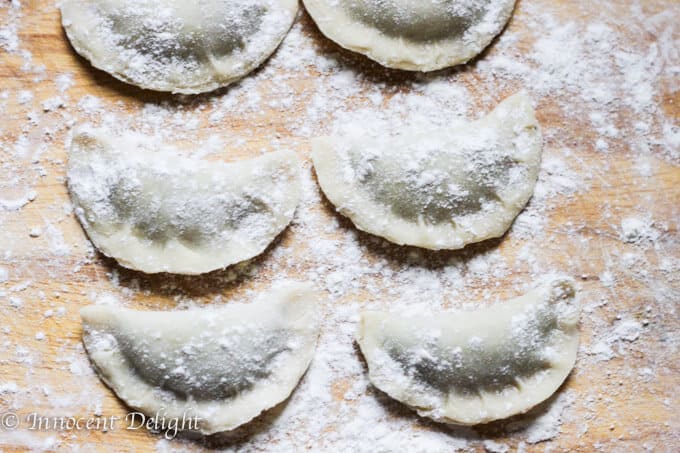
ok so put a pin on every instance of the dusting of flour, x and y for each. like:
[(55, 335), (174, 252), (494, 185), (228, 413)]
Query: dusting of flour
[(605, 211)]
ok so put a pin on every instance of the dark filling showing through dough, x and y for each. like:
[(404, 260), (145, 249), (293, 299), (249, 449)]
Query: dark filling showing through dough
[(140, 29), (222, 369), (461, 185), (447, 19), (481, 367), (178, 211)]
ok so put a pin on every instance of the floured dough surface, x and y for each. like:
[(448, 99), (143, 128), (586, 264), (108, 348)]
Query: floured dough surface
[(223, 365), (440, 188), (412, 34), (479, 366), (155, 211), (183, 46)]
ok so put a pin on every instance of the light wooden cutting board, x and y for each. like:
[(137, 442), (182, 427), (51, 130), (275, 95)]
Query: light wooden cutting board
[(628, 402)]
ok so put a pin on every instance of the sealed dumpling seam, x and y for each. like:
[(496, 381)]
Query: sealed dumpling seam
[(437, 188), (182, 46), (155, 211), (470, 367), (412, 34), (222, 365)]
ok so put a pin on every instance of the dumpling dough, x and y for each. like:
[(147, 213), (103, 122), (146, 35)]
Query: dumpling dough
[(436, 189), (155, 211), (412, 34), (475, 367), (183, 46), (224, 365)]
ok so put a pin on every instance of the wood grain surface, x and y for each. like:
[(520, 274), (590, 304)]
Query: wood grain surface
[(628, 402)]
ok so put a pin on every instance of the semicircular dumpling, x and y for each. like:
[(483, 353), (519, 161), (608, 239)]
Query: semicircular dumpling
[(412, 34), (436, 189), (156, 211), (475, 367), (223, 365), (182, 46)]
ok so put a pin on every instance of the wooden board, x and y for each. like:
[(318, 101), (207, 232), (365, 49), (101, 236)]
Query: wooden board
[(623, 398)]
